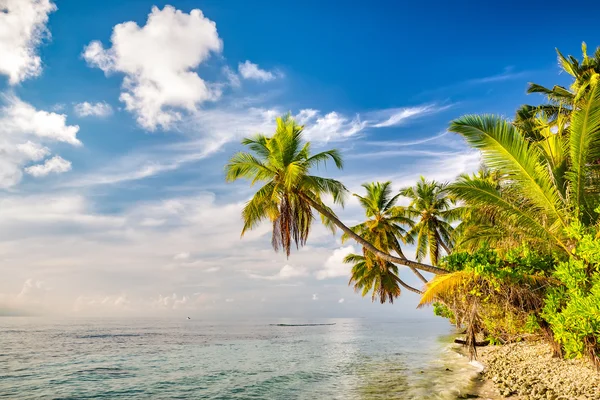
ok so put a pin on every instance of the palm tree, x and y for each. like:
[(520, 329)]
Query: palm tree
[(433, 209), (562, 100), (545, 186), (380, 278), (283, 163), (582, 74), (384, 228)]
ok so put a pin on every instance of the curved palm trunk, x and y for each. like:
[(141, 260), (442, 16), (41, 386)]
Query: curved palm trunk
[(369, 246), (405, 286), (398, 250)]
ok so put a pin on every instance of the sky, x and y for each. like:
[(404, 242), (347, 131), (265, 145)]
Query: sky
[(117, 118)]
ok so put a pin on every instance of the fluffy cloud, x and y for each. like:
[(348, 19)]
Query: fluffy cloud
[(86, 109), (24, 131), (158, 60), (286, 272), (55, 165), (22, 28), (334, 266), (20, 118), (249, 70), (31, 298)]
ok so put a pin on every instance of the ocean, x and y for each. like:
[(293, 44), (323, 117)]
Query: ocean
[(195, 359)]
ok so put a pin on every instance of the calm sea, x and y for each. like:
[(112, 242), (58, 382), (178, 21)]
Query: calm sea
[(194, 359)]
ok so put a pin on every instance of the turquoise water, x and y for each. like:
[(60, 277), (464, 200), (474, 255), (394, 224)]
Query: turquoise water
[(192, 359)]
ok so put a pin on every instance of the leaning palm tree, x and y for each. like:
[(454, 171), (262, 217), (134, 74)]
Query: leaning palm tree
[(289, 192), (543, 189), (433, 209), (379, 278), (385, 226)]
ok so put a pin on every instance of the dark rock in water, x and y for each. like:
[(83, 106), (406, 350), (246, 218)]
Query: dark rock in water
[(301, 324)]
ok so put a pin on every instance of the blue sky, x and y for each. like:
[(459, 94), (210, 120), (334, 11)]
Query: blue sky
[(117, 117)]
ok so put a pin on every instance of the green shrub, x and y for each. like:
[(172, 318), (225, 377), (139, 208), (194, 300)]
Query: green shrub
[(573, 309), (503, 288)]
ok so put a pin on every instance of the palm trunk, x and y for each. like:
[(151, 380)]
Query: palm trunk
[(385, 256), (446, 249), (405, 286), (398, 250)]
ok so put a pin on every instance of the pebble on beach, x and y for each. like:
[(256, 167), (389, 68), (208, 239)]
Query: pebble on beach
[(528, 371)]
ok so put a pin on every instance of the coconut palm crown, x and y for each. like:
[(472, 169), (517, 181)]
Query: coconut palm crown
[(433, 211), (282, 163)]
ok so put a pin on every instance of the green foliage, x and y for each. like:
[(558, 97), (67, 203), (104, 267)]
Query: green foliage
[(441, 310), (518, 261), (573, 309), (496, 296)]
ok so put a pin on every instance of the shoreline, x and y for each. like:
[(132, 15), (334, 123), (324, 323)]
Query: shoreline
[(526, 370)]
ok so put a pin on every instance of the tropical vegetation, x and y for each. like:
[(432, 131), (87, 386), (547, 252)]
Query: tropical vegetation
[(514, 248)]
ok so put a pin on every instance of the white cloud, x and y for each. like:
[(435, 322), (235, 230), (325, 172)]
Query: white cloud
[(232, 77), (56, 165), (315, 297), (172, 302), (31, 298), (22, 29), (23, 132), (86, 109), (335, 126), (340, 301), (250, 70), (329, 127), (101, 304), (398, 116), (33, 151), (158, 60), (32, 289), (334, 266), (181, 256), (286, 272), (20, 118)]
